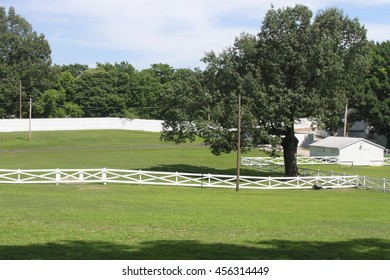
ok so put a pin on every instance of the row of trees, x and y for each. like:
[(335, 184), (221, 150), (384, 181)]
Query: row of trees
[(75, 90), (109, 90), (298, 66)]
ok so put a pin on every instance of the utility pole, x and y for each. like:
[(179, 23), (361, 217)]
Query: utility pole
[(238, 143), (29, 123), (20, 99), (346, 121)]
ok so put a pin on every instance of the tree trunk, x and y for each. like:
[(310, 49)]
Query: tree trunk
[(290, 146)]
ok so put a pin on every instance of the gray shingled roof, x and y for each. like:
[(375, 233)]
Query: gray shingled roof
[(340, 142)]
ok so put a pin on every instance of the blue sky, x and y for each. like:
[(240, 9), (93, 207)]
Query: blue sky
[(177, 32)]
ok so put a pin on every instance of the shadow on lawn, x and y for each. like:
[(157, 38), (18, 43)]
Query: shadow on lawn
[(363, 249), (185, 168)]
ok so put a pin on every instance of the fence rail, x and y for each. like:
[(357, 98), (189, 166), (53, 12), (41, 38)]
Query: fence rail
[(139, 177), (260, 161), (265, 161), (377, 184)]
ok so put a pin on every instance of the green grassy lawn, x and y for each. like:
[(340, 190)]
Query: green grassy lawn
[(134, 222), (149, 222), (132, 150), (368, 171), (111, 149)]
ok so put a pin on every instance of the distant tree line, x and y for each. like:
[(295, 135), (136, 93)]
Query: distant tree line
[(109, 90)]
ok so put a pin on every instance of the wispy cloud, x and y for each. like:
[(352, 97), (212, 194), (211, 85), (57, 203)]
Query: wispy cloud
[(177, 32)]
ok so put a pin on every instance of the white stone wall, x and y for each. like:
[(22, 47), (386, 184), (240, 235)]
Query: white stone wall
[(9, 125)]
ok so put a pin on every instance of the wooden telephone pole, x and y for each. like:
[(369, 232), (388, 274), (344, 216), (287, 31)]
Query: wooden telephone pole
[(238, 144)]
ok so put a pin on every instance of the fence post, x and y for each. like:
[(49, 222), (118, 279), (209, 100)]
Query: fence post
[(81, 176), (104, 176), (384, 184), (19, 175), (58, 176), (177, 178), (364, 182)]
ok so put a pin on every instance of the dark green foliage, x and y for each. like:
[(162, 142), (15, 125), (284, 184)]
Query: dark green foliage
[(373, 105), (24, 58)]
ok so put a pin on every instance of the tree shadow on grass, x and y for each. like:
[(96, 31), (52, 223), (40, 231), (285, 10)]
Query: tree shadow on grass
[(185, 168), (356, 249)]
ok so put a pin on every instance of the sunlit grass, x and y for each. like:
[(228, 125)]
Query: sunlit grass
[(149, 222), (139, 222)]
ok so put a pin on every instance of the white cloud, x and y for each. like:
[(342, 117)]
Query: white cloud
[(172, 31), (378, 32)]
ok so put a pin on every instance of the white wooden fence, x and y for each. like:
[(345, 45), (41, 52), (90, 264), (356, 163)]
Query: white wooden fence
[(377, 184), (139, 177), (260, 161), (265, 161)]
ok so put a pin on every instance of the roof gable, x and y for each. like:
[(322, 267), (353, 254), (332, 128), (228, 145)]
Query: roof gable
[(341, 142)]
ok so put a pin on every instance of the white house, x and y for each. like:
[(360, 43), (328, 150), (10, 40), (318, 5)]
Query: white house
[(354, 151)]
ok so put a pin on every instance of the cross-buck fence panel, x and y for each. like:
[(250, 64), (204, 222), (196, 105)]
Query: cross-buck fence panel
[(140, 177), (266, 161)]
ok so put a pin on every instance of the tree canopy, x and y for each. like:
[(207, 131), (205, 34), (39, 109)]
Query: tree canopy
[(25, 59), (296, 67), (373, 103)]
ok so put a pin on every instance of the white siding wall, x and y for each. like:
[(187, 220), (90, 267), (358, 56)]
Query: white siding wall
[(362, 153), (9, 125)]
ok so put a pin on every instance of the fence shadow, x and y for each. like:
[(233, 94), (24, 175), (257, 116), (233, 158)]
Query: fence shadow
[(356, 249)]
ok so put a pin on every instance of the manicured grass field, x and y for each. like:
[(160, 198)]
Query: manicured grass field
[(110, 149), (155, 222), (139, 222)]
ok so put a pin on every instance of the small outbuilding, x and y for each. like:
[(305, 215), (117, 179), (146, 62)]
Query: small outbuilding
[(352, 151)]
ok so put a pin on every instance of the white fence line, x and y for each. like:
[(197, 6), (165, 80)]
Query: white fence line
[(377, 184), (139, 177), (260, 161), (265, 161)]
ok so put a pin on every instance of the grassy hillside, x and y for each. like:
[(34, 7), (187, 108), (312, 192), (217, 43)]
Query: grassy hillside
[(131, 150), (110, 149)]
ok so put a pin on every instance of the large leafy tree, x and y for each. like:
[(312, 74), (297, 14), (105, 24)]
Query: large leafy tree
[(309, 70), (296, 67), (374, 104), (24, 57)]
